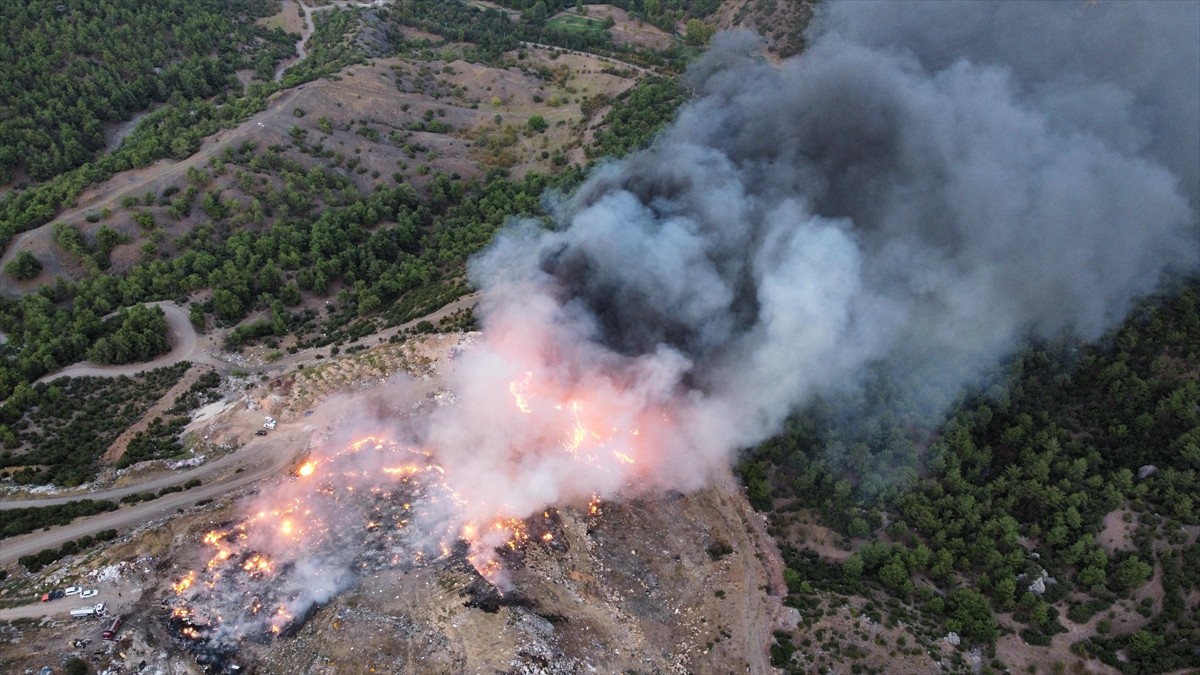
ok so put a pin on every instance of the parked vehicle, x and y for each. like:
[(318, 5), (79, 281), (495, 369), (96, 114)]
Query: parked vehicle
[(90, 610), (89, 593), (110, 633), (74, 590), (261, 432)]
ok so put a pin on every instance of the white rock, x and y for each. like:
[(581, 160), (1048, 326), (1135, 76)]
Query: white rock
[(1038, 586)]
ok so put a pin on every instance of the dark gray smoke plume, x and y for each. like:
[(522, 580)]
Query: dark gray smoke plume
[(922, 188)]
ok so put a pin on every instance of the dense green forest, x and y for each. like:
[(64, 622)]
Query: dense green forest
[(71, 67), (956, 521), (176, 128)]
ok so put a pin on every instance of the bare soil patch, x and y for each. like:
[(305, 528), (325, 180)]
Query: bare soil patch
[(289, 18), (1116, 534), (822, 646), (804, 529), (628, 30), (781, 22)]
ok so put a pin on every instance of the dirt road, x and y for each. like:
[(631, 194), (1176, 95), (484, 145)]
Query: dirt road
[(116, 604), (301, 48), (260, 459), (310, 26), (756, 568), (135, 181), (185, 346), (641, 69)]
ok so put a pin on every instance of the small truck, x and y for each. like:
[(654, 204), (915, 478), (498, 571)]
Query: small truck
[(91, 610)]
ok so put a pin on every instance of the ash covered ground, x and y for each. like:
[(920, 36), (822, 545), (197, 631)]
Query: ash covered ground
[(667, 584), (642, 585)]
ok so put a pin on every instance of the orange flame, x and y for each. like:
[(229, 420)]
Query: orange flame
[(184, 583), (517, 389), (257, 563)]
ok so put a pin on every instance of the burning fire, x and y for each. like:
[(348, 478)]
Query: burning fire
[(184, 583), (407, 506), (387, 505), (591, 432), (517, 389)]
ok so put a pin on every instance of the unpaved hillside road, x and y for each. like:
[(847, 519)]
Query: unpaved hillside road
[(641, 69), (309, 27), (271, 458), (63, 606), (111, 191), (184, 347), (250, 453)]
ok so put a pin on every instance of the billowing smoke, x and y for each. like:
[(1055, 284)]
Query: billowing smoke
[(923, 188)]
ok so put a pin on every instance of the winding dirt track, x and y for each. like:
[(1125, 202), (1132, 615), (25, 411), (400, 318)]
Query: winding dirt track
[(184, 347), (261, 458)]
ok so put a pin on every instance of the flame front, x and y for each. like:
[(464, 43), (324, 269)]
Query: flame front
[(310, 525), (376, 504)]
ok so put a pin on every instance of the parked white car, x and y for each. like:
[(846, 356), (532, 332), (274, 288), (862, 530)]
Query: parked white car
[(74, 590), (89, 593)]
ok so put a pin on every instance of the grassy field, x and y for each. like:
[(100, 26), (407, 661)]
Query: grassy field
[(578, 24)]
